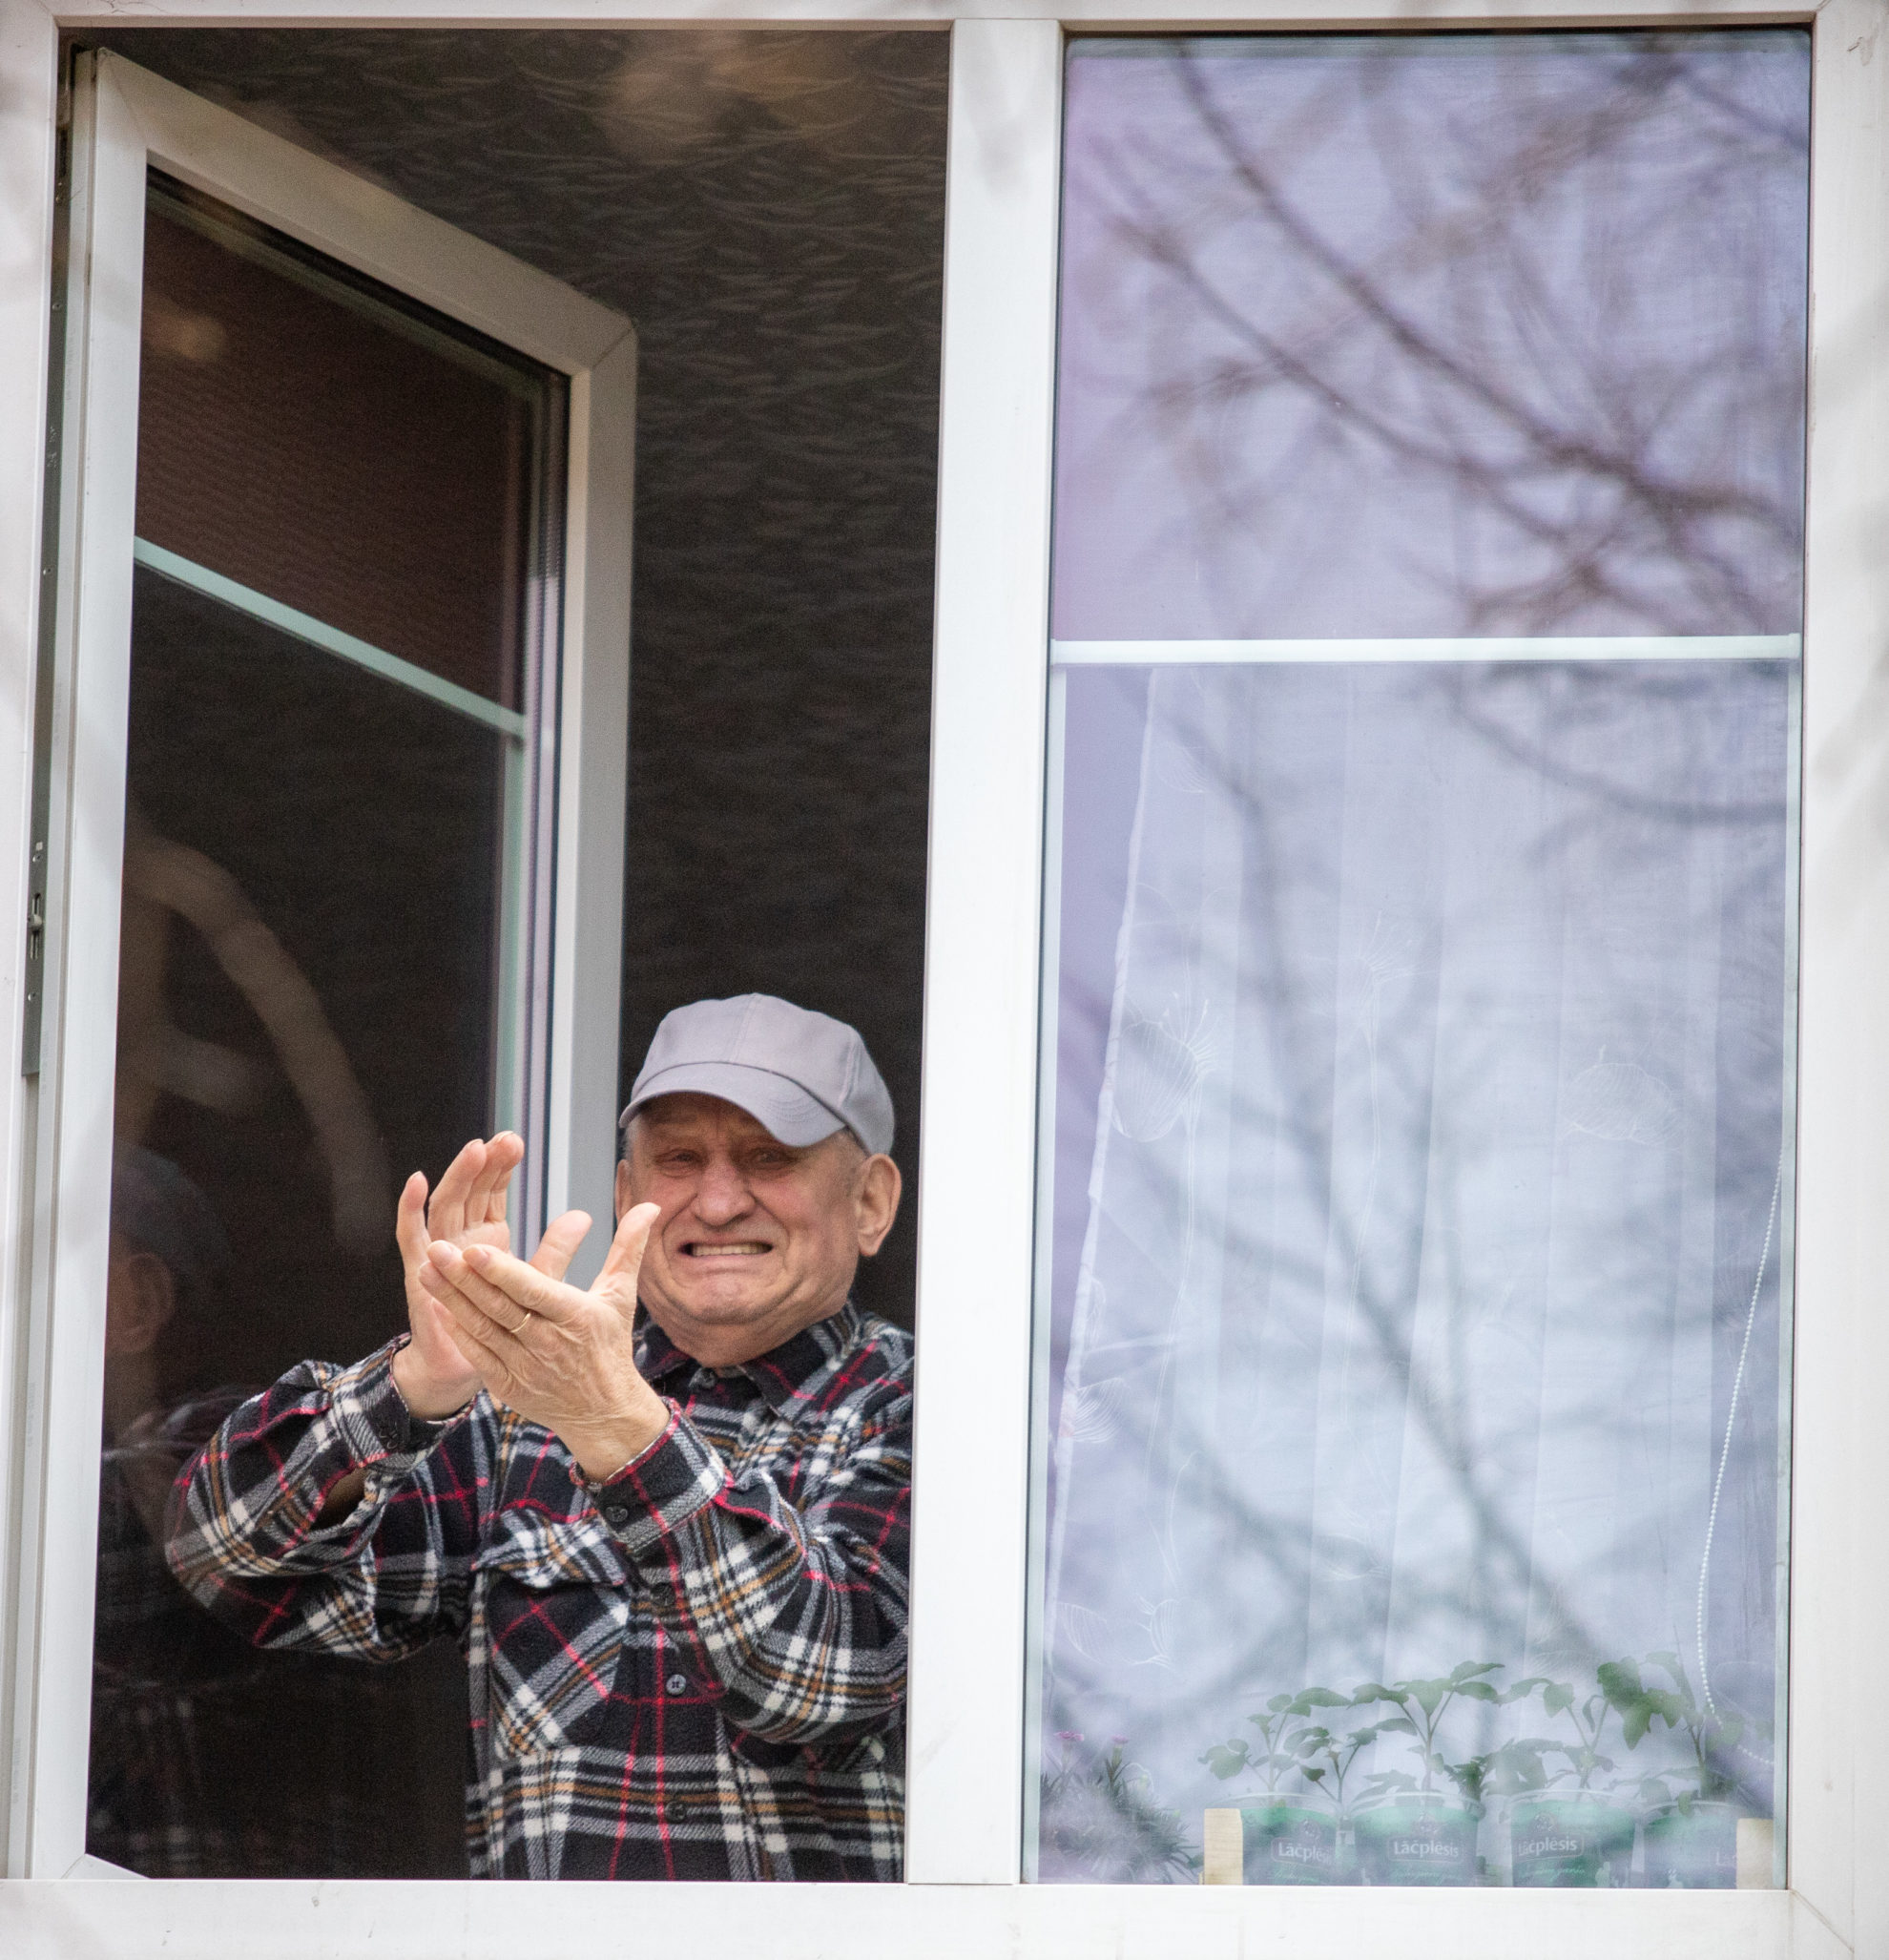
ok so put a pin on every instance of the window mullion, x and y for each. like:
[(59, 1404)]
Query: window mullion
[(982, 974)]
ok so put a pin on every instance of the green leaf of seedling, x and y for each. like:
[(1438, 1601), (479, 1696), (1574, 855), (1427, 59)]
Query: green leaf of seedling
[(1426, 1693), (1676, 1668), (1309, 1699), (1479, 1691), (1279, 1705), (1620, 1682), (1470, 1669), (1520, 1691), (1226, 1759), (1650, 1790), (1638, 1704), (1518, 1765), (1558, 1698), (1394, 1725), (1376, 1691)]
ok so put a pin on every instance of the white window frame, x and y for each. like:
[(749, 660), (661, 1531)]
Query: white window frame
[(982, 1006)]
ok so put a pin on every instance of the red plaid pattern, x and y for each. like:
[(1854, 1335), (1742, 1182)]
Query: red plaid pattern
[(693, 1671)]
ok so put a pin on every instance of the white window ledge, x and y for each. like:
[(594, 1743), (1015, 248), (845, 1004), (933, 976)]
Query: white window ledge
[(306, 1920)]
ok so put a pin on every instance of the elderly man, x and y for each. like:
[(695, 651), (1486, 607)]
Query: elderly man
[(666, 1518)]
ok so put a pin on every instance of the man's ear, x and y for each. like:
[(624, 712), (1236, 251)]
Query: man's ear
[(878, 1187), (624, 1200), (140, 1296)]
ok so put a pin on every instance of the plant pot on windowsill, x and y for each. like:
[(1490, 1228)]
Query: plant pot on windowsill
[(1417, 1840), (1692, 1847), (1571, 1841), (1287, 1843)]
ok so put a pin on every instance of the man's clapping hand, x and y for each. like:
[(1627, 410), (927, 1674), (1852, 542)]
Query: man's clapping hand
[(559, 1356), (435, 1380)]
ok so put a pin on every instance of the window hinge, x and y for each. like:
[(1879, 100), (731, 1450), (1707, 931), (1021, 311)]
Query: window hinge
[(35, 958)]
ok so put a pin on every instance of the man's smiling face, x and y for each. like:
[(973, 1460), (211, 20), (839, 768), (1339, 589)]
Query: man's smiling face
[(757, 1239)]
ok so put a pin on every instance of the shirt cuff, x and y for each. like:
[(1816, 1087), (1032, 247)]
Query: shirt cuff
[(680, 1476), (372, 1418)]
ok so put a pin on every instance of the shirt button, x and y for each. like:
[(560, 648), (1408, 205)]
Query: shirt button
[(677, 1684), (616, 1513)]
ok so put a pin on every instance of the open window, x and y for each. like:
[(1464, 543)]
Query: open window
[(335, 802)]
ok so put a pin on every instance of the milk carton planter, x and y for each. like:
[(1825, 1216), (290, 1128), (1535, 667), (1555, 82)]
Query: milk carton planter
[(1692, 1843), (1327, 1757), (1285, 1839), (1413, 1835), (1284, 1844), (1417, 1840), (1692, 1847), (1571, 1841), (1577, 1837)]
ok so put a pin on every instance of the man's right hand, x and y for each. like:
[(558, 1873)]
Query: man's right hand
[(468, 1209)]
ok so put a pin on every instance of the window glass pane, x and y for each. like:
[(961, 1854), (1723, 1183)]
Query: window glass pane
[(1417, 1148), (1463, 334), (325, 973), (354, 463)]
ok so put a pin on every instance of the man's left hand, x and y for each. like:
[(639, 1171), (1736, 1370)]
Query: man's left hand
[(557, 1355)]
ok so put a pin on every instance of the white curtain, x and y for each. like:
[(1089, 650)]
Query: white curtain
[(1439, 1142)]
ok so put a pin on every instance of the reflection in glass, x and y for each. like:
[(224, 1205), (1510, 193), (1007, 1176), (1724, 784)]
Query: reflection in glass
[(1417, 1176), (327, 969), (360, 463), (1432, 335)]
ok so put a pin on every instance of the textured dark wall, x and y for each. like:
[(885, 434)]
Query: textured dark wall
[(768, 207)]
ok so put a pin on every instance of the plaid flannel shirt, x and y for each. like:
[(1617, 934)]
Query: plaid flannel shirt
[(696, 1670)]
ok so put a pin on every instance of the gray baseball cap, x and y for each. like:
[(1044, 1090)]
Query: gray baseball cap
[(800, 1075)]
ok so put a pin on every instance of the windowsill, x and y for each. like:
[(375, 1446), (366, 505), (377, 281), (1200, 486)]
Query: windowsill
[(471, 1921)]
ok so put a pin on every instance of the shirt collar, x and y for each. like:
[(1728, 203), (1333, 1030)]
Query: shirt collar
[(784, 1375)]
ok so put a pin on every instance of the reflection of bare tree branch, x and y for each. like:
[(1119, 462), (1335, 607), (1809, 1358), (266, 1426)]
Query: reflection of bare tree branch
[(1582, 572), (1791, 140), (1667, 499), (1306, 1124), (1449, 343), (161, 876), (1611, 791)]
